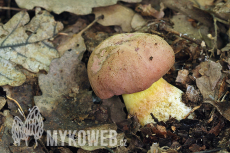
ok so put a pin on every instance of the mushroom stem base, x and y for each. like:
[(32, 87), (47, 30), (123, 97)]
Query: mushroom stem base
[(161, 99)]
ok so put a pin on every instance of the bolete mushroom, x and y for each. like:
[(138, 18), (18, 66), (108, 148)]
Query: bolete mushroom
[(132, 65)]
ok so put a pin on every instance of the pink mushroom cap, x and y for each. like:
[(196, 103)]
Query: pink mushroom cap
[(128, 63)]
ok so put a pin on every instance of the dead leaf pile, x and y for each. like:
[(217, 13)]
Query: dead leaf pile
[(75, 6), (32, 51), (42, 66)]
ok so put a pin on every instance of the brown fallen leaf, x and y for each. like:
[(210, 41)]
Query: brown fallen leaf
[(65, 73), (182, 76), (202, 4), (211, 74), (147, 10), (195, 72), (203, 84), (222, 9), (222, 107), (196, 148), (116, 108), (62, 111), (184, 27), (118, 15), (22, 94), (186, 7), (74, 40), (193, 94), (217, 129)]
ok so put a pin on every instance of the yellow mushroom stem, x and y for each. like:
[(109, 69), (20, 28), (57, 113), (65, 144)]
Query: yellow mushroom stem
[(161, 99)]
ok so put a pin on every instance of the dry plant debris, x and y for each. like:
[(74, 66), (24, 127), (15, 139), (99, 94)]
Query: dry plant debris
[(211, 74), (2, 102), (27, 44), (147, 10), (42, 66), (74, 6), (60, 104), (5, 128), (119, 15)]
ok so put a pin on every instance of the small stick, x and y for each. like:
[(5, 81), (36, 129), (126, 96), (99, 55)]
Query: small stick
[(18, 106), (215, 37), (15, 9), (86, 28), (195, 108), (212, 115), (98, 18)]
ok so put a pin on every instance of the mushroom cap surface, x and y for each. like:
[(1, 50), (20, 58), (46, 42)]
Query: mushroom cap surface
[(128, 63)]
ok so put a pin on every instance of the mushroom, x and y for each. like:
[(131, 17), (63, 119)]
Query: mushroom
[(132, 65)]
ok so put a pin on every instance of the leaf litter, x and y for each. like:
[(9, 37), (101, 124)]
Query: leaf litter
[(74, 6), (65, 102), (65, 99), (33, 52)]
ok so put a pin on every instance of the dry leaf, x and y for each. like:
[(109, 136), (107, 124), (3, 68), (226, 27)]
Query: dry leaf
[(222, 107), (6, 137), (71, 41), (204, 85), (2, 102), (66, 43), (74, 6), (147, 10), (60, 110), (182, 25), (118, 15), (116, 108), (202, 4), (222, 10), (211, 74), (212, 70), (22, 94), (226, 48), (182, 76), (65, 73), (196, 148), (32, 51), (137, 21), (192, 94)]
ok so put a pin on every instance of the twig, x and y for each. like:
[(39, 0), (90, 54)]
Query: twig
[(18, 106), (224, 96), (195, 108), (15, 9), (212, 115), (222, 21), (83, 30), (86, 28), (8, 12), (2, 127), (215, 38)]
